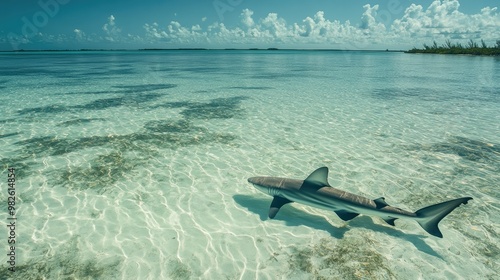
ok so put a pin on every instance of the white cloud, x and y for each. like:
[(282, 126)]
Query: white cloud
[(112, 31), (368, 20), (153, 31), (275, 27), (246, 18), (443, 20), (175, 33), (272, 30), (319, 29), (203, 19), (80, 35), (218, 33)]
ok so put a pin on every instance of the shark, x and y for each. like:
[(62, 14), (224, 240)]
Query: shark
[(315, 191)]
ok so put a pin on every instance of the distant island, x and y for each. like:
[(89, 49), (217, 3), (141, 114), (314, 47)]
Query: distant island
[(471, 48)]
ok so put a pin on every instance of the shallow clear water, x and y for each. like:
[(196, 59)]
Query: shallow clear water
[(134, 164)]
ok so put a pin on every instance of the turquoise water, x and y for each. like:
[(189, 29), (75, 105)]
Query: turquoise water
[(134, 164)]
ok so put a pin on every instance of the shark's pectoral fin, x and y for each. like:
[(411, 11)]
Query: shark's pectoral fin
[(346, 216), (390, 221), (318, 179), (276, 205), (380, 202)]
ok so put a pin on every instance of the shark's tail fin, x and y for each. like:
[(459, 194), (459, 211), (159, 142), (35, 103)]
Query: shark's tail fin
[(430, 216)]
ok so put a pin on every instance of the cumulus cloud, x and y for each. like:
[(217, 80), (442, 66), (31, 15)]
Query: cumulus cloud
[(111, 30), (275, 27), (175, 32), (443, 19), (320, 29), (270, 30), (368, 19), (79, 34), (246, 18), (153, 31)]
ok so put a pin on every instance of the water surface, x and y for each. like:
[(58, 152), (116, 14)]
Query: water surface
[(134, 164)]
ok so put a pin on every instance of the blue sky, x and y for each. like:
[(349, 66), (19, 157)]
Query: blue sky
[(130, 24)]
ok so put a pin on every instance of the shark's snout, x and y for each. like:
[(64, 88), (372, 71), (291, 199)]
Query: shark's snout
[(253, 180), (258, 183)]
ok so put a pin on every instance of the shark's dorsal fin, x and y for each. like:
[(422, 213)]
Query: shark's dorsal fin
[(380, 202), (346, 216), (278, 201), (318, 178)]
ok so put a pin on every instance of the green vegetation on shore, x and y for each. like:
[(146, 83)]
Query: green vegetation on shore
[(471, 48)]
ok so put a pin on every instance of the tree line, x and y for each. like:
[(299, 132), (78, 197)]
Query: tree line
[(472, 48)]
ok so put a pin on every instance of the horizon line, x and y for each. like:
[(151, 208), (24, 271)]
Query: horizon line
[(198, 49)]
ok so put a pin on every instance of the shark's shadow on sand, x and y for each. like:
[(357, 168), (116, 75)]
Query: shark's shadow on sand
[(295, 217)]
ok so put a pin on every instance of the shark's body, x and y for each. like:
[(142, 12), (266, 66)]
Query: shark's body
[(315, 191)]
